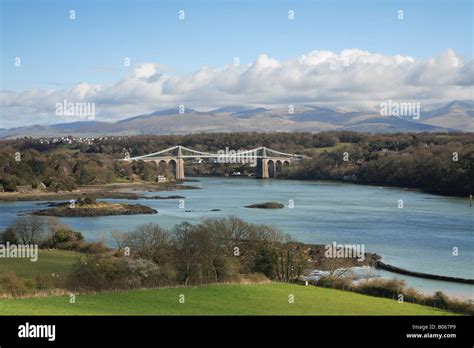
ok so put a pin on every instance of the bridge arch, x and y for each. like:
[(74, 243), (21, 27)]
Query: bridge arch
[(271, 168), (162, 167), (172, 165), (278, 167)]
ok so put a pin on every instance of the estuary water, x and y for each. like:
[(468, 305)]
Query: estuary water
[(420, 236)]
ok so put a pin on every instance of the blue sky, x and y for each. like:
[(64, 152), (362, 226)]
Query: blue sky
[(57, 52), (334, 53)]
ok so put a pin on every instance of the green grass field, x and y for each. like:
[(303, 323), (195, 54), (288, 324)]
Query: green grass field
[(49, 262), (268, 299), (338, 146), (224, 299)]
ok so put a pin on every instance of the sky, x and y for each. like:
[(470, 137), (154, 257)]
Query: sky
[(358, 52)]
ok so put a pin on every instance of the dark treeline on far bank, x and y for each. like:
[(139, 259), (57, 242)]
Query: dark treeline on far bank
[(441, 163)]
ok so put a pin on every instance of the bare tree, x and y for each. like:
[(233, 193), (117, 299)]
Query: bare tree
[(29, 229), (187, 250), (54, 225), (337, 267), (120, 239), (149, 241)]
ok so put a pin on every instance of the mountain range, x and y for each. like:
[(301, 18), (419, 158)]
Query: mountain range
[(457, 115)]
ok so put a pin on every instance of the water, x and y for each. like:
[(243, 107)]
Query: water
[(420, 237)]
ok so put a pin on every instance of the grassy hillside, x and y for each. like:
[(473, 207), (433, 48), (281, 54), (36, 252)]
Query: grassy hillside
[(268, 299), (49, 262)]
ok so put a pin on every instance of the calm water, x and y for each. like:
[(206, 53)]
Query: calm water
[(419, 237)]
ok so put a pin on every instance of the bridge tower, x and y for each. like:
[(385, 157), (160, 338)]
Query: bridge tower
[(262, 166), (179, 175)]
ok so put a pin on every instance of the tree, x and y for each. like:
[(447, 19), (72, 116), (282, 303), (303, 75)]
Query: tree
[(54, 225), (149, 241), (29, 229), (266, 261), (187, 251), (9, 236)]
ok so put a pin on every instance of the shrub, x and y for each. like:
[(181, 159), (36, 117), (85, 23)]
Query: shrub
[(65, 235), (43, 282), (101, 273), (265, 261), (93, 248), (441, 299), (226, 269), (460, 306), (382, 287), (150, 274), (9, 236), (11, 284), (76, 245), (332, 281), (86, 200), (253, 278), (412, 295), (8, 185)]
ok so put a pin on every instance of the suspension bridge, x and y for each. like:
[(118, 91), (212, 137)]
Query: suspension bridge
[(268, 162)]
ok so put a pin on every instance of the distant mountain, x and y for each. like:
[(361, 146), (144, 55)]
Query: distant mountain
[(166, 112), (324, 115), (454, 116), (459, 114), (392, 124), (230, 109), (456, 106), (84, 126), (249, 113)]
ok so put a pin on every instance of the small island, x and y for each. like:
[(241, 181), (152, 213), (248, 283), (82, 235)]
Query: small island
[(89, 207), (266, 205)]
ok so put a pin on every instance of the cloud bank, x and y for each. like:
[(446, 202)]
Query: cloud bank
[(353, 79)]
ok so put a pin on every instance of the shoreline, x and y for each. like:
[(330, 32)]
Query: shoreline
[(413, 189), (110, 191)]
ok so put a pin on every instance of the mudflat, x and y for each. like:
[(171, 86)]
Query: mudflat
[(116, 190)]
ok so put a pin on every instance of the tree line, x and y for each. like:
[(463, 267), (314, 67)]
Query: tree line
[(215, 250), (438, 163)]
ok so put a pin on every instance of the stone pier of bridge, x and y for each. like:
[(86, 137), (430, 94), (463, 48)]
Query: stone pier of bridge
[(270, 167), (178, 165)]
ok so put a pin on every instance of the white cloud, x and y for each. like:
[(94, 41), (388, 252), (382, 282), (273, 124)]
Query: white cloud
[(352, 79)]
